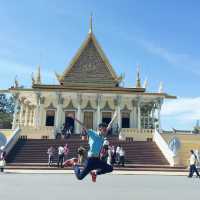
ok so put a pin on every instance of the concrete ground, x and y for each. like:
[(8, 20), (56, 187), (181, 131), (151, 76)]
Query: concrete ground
[(39, 186)]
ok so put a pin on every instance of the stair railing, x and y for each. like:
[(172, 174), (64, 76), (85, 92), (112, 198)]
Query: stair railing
[(12, 140), (163, 146)]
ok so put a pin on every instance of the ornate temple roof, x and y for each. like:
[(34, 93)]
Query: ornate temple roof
[(89, 67), (90, 71)]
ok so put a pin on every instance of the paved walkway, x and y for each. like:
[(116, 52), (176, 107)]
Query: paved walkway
[(115, 172), (118, 187)]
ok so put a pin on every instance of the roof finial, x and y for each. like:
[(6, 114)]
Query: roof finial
[(138, 82), (32, 78), (38, 76), (16, 82), (145, 83), (90, 30), (160, 89)]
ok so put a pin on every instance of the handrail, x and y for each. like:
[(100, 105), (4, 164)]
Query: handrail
[(163, 146), (12, 140)]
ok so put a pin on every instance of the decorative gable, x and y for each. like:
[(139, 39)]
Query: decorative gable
[(90, 67)]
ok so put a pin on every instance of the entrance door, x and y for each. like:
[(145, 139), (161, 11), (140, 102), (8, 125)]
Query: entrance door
[(88, 119), (106, 117), (125, 120), (50, 117), (69, 122)]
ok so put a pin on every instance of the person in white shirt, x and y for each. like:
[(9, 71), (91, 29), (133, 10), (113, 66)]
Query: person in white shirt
[(61, 152), (121, 156), (193, 160), (50, 153), (117, 154), (2, 159)]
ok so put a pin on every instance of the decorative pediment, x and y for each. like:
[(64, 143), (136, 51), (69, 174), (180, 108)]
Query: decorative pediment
[(89, 106), (89, 66), (107, 107), (50, 107), (125, 109), (70, 106)]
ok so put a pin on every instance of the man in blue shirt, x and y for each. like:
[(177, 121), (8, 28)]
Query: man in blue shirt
[(93, 162)]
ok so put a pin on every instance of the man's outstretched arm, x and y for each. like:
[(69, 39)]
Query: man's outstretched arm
[(112, 120), (84, 137)]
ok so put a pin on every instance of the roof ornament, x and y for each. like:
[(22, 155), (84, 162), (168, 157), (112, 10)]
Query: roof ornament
[(32, 78), (16, 82), (138, 81), (145, 84), (38, 76), (160, 89), (58, 76), (120, 79), (90, 30)]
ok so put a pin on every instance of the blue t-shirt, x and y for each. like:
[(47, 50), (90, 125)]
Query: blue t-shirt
[(95, 143)]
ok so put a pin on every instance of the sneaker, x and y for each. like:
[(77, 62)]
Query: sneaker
[(70, 162), (94, 176)]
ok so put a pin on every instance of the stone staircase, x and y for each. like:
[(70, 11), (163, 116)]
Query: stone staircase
[(34, 151)]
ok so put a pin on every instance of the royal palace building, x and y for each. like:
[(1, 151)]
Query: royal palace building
[(89, 89)]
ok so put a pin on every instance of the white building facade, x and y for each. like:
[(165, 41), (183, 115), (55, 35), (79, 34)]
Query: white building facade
[(90, 90)]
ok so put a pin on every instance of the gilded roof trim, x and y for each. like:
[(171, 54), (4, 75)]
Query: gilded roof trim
[(81, 49)]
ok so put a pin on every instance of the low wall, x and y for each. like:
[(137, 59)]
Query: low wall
[(37, 133), (6, 132), (188, 142), (136, 134)]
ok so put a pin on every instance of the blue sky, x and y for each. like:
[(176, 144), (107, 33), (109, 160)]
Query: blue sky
[(161, 36)]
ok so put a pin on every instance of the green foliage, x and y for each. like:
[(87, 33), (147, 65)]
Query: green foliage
[(6, 111)]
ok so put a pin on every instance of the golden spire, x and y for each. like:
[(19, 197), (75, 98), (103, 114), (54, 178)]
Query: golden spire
[(90, 30), (138, 82), (38, 76)]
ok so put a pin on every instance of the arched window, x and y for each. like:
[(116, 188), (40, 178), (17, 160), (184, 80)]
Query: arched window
[(50, 117)]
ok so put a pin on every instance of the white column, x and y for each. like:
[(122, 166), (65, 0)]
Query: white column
[(35, 117), (138, 114), (149, 113), (30, 115), (16, 110), (98, 100), (36, 113), (58, 116), (133, 114), (41, 114), (79, 101), (119, 112), (153, 117), (59, 112), (21, 114), (26, 115), (159, 119), (119, 117)]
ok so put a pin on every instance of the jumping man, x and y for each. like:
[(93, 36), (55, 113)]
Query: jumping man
[(93, 164)]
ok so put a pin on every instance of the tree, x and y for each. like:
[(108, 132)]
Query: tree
[(6, 111)]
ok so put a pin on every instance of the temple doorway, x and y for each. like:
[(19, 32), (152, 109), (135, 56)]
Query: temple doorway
[(125, 120), (106, 117), (88, 119), (50, 117), (69, 122)]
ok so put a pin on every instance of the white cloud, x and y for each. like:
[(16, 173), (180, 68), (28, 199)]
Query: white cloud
[(180, 60), (182, 112)]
